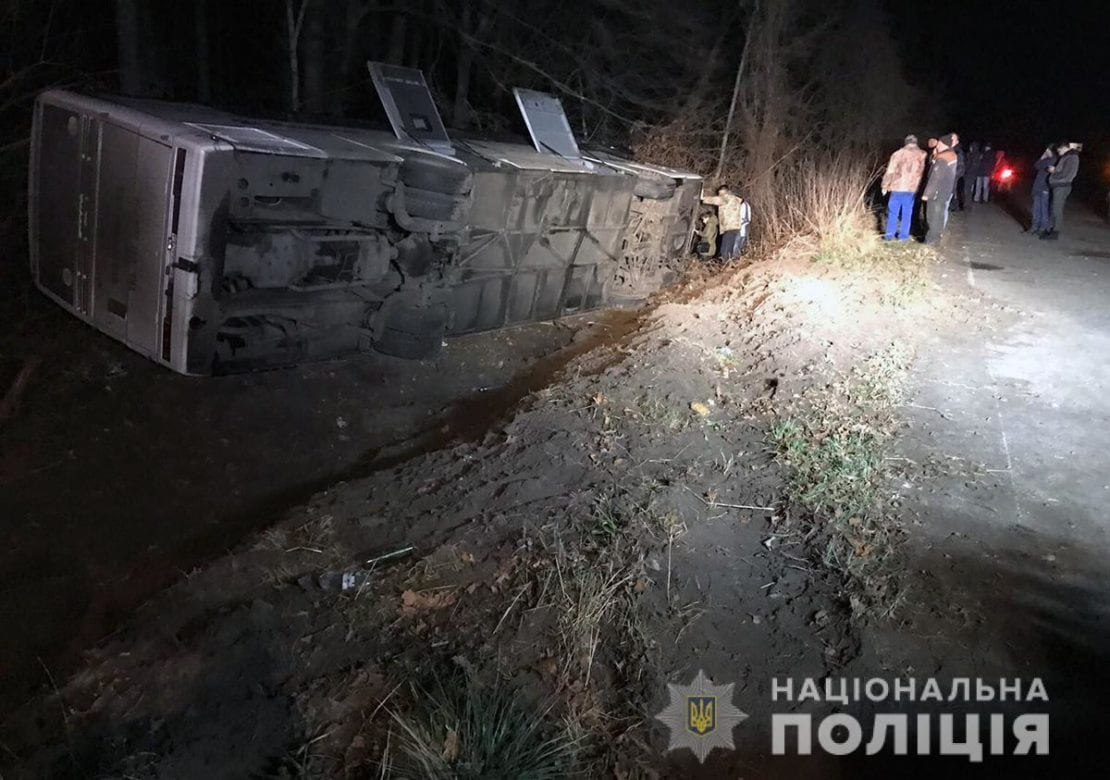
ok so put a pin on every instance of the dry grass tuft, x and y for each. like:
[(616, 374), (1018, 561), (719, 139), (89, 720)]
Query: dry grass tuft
[(835, 441), (823, 200), (588, 598), (458, 728)]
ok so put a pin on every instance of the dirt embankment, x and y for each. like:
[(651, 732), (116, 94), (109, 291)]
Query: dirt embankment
[(655, 511)]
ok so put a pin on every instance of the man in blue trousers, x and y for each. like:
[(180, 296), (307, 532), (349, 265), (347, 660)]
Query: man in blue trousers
[(1042, 218), (901, 180)]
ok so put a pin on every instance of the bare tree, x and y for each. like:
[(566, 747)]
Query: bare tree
[(397, 36), (735, 95), (204, 67), (352, 49), (315, 64), (775, 107), (294, 23), (127, 40), (865, 98), (464, 66)]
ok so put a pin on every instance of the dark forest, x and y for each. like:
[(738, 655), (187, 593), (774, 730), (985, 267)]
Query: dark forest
[(634, 75)]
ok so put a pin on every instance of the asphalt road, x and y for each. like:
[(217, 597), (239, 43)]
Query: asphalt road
[(1042, 362), (1010, 412)]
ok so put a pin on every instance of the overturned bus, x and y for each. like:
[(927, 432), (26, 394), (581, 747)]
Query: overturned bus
[(212, 243)]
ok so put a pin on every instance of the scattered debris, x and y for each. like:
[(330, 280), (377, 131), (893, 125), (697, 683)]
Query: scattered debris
[(412, 601), (359, 576)]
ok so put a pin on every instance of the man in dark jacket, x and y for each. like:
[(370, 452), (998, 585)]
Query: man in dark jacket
[(1060, 179), (938, 189), (984, 168), (1042, 220), (961, 175), (971, 165)]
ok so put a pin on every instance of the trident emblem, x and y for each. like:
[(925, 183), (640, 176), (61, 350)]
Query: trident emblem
[(702, 717)]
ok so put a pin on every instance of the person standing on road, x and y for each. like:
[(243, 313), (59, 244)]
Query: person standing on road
[(983, 169), (1060, 179), (1042, 219), (961, 174), (735, 216), (901, 181), (974, 157), (938, 189)]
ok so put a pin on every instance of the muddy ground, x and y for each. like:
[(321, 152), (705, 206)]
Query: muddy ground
[(637, 517), (117, 476)]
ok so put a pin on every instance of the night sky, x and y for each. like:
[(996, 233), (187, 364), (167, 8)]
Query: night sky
[(1019, 72)]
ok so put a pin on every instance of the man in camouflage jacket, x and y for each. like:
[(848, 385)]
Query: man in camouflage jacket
[(735, 216), (901, 180)]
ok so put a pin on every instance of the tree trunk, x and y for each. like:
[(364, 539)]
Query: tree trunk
[(703, 86), (736, 92), (204, 71), (397, 31), (315, 71), (351, 70), (127, 37), (464, 64), (460, 114), (415, 46), (294, 20)]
